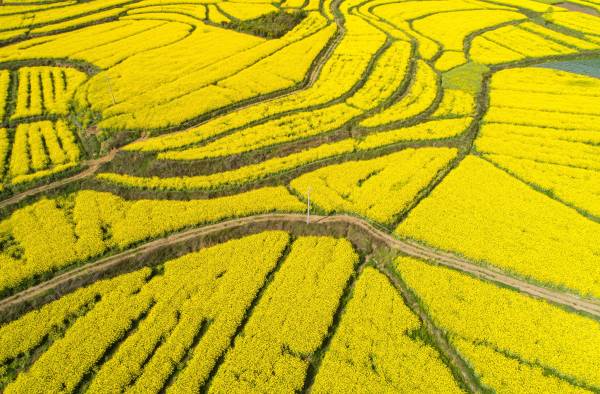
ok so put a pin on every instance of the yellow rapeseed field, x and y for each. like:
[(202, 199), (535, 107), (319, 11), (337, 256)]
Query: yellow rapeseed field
[(237, 195)]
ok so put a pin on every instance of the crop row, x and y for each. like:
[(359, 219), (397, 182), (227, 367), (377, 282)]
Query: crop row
[(309, 123), (421, 95), (526, 40), (513, 342), (501, 221), (22, 336), (379, 189), (4, 85), (91, 335), (54, 14), (375, 346), (45, 90), (102, 45), (230, 68), (291, 320), (236, 328), (141, 335), (40, 149), (427, 130), (197, 318), (543, 115), (577, 186), (340, 73)]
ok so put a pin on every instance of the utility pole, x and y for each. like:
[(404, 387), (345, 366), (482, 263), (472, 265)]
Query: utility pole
[(110, 89), (308, 207)]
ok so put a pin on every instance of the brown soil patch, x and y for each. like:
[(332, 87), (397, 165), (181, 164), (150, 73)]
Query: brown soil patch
[(578, 8)]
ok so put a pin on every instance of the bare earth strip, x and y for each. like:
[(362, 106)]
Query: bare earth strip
[(28, 296), (92, 167), (578, 8)]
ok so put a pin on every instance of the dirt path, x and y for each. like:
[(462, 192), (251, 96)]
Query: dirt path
[(92, 167), (578, 8), (591, 307)]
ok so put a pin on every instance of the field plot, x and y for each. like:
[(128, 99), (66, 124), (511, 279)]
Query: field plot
[(41, 149), (512, 341), (322, 196), (45, 90)]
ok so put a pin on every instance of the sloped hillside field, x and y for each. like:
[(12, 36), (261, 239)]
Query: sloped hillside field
[(324, 196)]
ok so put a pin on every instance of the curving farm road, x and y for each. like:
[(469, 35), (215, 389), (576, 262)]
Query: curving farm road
[(572, 301)]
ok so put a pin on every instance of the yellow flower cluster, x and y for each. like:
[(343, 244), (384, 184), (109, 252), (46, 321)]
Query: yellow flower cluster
[(229, 68), (379, 85), (4, 81), (576, 148), (38, 16), (238, 176), (577, 21), (37, 154), (544, 80), (50, 241), (290, 321), (420, 97), (430, 130), (245, 11), (577, 186), (103, 45), (573, 126), (508, 337), (78, 21), (455, 102), (22, 336), (71, 357), (42, 148), (227, 278), (19, 163), (523, 42), (450, 29), (586, 104), (286, 129), (340, 73), (171, 12), (398, 12), (436, 129), (371, 348), (385, 78), (543, 115), (379, 189), (506, 374), (449, 60), (486, 51), (38, 175), (4, 146), (214, 14), (561, 38), (501, 221), (46, 90)]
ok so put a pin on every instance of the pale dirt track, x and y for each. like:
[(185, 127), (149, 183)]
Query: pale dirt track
[(91, 168), (575, 302)]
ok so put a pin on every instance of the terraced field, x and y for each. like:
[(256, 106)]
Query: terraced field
[(299, 196)]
